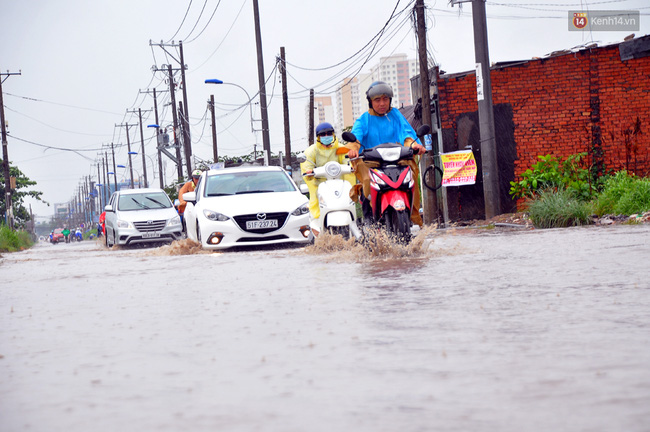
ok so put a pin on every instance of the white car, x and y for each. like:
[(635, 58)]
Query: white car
[(141, 216), (246, 206)]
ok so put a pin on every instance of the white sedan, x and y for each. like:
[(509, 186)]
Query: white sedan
[(246, 206)]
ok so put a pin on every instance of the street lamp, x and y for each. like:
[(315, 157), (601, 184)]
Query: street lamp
[(218, 81)]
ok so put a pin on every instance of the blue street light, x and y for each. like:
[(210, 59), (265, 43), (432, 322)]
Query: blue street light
[(133, 153), (250, 105), (120, 166)]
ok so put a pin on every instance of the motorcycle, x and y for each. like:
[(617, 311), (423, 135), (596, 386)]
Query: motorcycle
[(391, 184), (78, 236), (338, 213)]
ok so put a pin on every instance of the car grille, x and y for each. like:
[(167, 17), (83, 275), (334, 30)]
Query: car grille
[(145, 226), (242, 219)]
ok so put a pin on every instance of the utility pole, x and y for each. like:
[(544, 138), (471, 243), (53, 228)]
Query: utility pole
[(429, 198), (187, 140), (185, 125), (310, 130), (99, 180), (9, 212), (105, 174), (114, 167), (260, 74), (215, 152), (158, 133), (144, 161), (488, 147), (128, 146), (172, 93), (285, 106)]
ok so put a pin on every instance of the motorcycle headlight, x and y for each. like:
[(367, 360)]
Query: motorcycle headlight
[(124, 224), (176, 220), (408, 178), (375, 178), (215, 216), (303, 209)]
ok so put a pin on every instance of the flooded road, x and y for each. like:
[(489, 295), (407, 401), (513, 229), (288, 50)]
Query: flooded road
[(545, 330)]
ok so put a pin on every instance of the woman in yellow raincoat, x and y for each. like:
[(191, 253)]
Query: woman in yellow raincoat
[(318, 154)]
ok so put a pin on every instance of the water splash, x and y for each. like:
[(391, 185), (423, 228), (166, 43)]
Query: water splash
[(180, 247), (376, 244)]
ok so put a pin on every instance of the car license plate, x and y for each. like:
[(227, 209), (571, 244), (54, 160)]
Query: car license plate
[(261, 224), (150, 235)]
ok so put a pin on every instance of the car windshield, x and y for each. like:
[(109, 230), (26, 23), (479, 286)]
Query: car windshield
[(237, 183), (151, 200)]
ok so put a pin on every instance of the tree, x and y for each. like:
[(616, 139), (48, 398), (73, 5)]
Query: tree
[(21, 215)]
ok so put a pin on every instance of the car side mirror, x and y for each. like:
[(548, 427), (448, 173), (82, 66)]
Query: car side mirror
[(109, 208), (304, 189), (190, 197)]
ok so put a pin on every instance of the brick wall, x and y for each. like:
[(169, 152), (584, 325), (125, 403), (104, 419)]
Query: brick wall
[(566, 104)]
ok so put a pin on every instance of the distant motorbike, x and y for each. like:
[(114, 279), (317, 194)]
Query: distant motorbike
[(337, 210), (78, 236), (392, 184)]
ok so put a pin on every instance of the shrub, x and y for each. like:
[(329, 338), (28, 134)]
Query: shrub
[(558, 209), (549, 173), (12, 241), (623, 194)]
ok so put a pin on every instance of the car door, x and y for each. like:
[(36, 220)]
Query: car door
[(111, 217), (190, 211)]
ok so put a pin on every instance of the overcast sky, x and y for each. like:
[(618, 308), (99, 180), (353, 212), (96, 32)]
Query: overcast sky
[(85, 63)]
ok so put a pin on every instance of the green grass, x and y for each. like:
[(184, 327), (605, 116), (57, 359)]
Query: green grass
[(13, 241), (558, 209)]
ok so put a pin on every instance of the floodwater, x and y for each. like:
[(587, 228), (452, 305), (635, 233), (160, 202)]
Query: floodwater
[(543, 330)]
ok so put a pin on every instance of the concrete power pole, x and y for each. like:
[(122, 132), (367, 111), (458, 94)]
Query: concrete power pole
[(488, 147), (215, 152), (9, 216), (158, 133), (430, 200), (310, 128), (266, 142), (128, 146), (187, 139), (172, 93), (285, 107)]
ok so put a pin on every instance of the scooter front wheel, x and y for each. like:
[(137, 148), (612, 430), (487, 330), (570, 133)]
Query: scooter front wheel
[(399, 225), (343, 231)]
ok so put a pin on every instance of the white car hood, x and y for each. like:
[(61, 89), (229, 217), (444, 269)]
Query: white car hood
[(254, 203)]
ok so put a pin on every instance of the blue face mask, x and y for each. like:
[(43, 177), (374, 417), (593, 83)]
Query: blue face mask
[(327, 140)]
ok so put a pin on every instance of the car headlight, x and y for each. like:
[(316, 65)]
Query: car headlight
[(303, 209), (124, 224), (176, 220), (215, 216)]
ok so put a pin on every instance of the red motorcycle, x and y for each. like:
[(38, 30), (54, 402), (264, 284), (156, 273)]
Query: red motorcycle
[(392, 183)]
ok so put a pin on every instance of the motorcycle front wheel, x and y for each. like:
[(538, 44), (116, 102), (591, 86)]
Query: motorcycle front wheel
[(398, 224)]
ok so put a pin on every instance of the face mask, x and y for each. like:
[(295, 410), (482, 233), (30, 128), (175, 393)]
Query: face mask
[(326, 140)]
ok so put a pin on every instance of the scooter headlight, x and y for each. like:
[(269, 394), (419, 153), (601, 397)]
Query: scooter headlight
[(408, 177), (376, 179), (303, 209), (333, 170)]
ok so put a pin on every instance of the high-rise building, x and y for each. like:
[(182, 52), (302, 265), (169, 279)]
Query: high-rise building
[(395, 70), (324, 112)]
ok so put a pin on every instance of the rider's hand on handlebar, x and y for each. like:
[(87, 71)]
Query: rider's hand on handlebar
[(418, 149), (353, 154)]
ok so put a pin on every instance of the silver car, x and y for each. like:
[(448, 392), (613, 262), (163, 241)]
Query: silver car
[(141, 216)]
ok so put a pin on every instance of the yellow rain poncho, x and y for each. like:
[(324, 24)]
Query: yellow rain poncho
[(317, 156)]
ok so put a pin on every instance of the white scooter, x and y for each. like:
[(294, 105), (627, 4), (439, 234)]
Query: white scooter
[(338, 214)]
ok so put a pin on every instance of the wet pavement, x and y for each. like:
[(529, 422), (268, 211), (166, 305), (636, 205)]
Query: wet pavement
[(491, 330)]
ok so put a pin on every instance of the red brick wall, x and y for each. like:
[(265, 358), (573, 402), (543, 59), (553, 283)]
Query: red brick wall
[(561, 105)]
